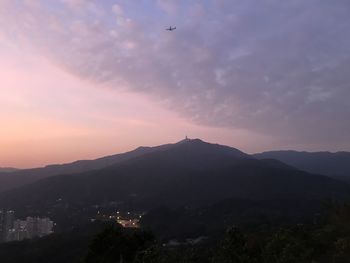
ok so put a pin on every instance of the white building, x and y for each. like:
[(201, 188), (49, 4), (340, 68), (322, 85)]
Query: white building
[(30, 228)]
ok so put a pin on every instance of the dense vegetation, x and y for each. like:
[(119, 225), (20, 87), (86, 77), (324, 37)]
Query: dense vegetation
[(322, 242)]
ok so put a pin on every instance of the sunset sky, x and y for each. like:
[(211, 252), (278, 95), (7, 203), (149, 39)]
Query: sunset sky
[(80, 79)]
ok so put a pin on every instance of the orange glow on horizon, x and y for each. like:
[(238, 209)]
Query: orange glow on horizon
[(49, 116)]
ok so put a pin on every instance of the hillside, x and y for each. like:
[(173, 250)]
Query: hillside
[(335, 165), (27, 176), (7, 169), (192, 173)]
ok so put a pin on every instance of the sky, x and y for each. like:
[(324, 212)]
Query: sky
[(80, 79)]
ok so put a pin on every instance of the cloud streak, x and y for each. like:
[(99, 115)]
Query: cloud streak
[(272, 67)]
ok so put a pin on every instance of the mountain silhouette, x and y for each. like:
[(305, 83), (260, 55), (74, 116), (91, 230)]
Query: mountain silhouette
[(22, 177), (7, 169), (336, 165), (191, 172)]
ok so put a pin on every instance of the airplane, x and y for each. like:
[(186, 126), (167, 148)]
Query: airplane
[(171, 28)]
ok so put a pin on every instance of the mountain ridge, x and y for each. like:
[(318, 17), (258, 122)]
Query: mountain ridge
[(22, 177), (333, 164), (194, 173), (8, 169)]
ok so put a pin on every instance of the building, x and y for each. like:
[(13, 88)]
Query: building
[(45, 227), (16, 230), (30, 228), (9, 218), (2, 218)]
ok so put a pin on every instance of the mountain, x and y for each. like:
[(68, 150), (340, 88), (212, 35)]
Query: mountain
[(191, 173), (335, 165), (7, 169), (19, 178)]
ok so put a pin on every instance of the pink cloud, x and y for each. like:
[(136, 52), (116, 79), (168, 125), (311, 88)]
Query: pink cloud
[(234, 70)]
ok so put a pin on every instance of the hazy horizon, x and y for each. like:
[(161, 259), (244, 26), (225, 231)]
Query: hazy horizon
[(92, 157)]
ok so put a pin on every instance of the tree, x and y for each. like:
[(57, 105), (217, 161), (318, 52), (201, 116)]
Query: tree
[(288, 246), (237, 248), (115, 245)]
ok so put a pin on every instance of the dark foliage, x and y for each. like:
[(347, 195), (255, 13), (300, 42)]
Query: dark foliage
[(327, 241), (67, 247), (117, 245)]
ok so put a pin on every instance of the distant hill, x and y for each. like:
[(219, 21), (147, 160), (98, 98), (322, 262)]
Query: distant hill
[(192, 172), (19, 178), (7, 169), (335, 165)]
